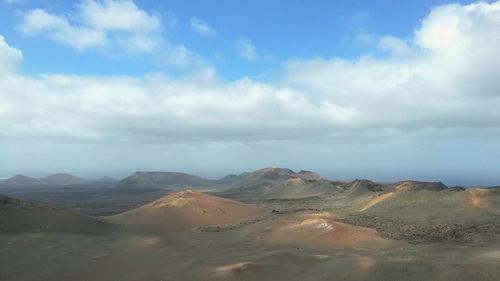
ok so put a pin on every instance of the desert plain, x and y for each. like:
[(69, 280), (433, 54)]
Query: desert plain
[(270, 224)]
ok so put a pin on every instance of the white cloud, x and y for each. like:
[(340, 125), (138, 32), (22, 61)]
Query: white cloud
[(395, 46), (103, 24), (37, 22), (118, 16), (201, 27), (449, 82), (439, 87), (116, 28), (14, 1), (246, 49), (10, 58)]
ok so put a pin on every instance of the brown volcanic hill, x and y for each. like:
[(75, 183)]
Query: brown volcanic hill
[(19, 180), (279, 183), (186, 209), (308, 175), (294, 188), (262, 178), (160, 180), (266, 175), (22, 216), (320, 229), (363, 185), (410, 185)]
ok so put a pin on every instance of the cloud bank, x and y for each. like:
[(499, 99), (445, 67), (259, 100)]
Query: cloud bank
[(441, 82), (10, 58)]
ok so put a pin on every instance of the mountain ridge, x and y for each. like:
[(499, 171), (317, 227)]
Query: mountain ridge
[(52, 179)]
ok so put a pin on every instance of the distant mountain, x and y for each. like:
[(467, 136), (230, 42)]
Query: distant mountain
[(279, 183), (233, 178), (264, 183), (162, 180), (62, 179), (265, 177), (20, 180), (52, 180)]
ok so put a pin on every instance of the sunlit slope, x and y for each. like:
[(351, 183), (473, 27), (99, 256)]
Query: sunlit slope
[(469, 206), (187, 209)]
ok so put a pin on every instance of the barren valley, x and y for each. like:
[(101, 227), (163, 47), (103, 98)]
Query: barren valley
[(271, 224)]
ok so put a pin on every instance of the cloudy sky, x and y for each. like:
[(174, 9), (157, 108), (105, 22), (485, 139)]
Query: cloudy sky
[(350, 90)]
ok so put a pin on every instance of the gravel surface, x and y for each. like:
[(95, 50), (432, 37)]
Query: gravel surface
[(425, 232)]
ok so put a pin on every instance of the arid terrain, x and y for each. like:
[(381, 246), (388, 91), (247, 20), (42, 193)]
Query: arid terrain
[(271, 224)]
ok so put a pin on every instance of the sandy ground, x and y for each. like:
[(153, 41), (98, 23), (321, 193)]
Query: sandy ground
[(403, 236), (229, 256)]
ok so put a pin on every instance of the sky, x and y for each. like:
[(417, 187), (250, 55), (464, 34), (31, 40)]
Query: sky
[(349, 89)]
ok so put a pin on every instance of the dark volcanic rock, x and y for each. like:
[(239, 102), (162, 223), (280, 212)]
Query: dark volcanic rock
[(427, 232)]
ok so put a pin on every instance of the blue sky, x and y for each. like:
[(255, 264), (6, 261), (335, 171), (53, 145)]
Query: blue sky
[(365, 89), (279, 30)]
